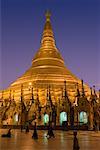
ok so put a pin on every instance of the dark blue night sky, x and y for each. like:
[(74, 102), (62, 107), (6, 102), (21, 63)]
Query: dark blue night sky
[(76, 26)]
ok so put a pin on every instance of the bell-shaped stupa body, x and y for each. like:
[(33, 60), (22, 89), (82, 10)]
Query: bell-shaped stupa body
[(48, 69)]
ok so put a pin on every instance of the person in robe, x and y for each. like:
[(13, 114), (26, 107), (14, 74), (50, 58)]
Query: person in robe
[(35, 134)]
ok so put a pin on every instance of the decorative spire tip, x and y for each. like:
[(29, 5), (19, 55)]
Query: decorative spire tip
[(48, 15)]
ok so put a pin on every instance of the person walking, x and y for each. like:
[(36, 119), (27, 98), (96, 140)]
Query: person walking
[(27, 127), (75, 141), (35, 135), (50, 132), (21, 127)]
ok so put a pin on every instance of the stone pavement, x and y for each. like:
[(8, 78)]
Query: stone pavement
[(88, 140)]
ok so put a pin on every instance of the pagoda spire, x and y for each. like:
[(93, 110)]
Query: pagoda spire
[(99, 93), (91, 91), (78, 92), (48, 50), (94, 90), (65, 92), (83, 92), (47, 41), (99, 96), (49, 100), (48, 15)]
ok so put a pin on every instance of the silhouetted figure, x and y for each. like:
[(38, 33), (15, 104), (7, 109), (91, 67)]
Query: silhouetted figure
[(35, 135), (65, 125), (75, 142), (8, 134), (96, 125), (21, 127), (27, 128), (50, 132)]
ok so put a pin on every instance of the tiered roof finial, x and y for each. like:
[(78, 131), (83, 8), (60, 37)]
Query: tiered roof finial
[(78, 92), (83, 92), (94, 90), (48, 15), (91, 90)]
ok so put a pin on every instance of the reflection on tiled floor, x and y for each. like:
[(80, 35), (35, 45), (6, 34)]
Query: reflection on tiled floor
[(88, 140)]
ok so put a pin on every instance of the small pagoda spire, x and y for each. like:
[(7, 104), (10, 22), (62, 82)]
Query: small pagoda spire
[(65, 90), (95, 95), (21, 92), (78, 92), (32, 95), (13, 94), (37, 97), (49, 100), (66, 94), (83, 92), (91, 91), (99, 93), (94, 90), (77, 95), (22, 102), (10, 95)]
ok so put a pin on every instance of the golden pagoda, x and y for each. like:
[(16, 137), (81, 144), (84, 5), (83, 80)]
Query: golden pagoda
[(47, 75), (48, 69)]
